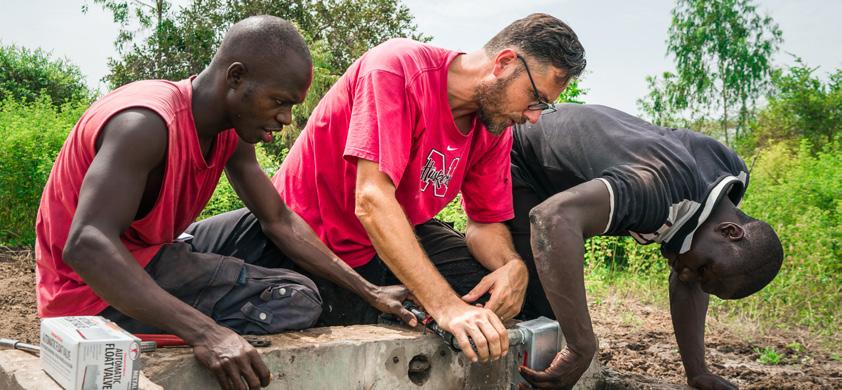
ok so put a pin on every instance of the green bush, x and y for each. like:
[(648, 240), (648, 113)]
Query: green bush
[(27, 74), (224, 199), (33, 133), (802, 105)]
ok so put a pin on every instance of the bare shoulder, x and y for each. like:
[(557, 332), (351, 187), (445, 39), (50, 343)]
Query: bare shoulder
[(137, 134)]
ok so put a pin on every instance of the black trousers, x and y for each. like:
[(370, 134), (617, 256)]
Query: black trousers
[(238, 234)]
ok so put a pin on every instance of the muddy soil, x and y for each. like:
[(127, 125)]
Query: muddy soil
[(637, 347)]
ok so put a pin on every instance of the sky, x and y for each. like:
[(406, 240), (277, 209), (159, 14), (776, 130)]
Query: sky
[(624, 40)]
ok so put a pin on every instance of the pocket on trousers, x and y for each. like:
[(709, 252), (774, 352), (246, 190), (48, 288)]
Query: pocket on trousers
[(270, 304)]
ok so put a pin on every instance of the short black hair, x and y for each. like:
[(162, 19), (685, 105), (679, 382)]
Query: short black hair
[(546, 39), (262, 39), (761, 255)]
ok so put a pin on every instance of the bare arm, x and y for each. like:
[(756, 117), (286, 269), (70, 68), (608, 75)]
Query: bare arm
[(491, 244), (688, 306), (560, 226), (392, 236), (132, 144), (294, 236)]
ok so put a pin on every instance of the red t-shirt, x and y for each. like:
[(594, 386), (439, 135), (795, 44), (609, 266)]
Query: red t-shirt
[(188, 184), (391, 107)]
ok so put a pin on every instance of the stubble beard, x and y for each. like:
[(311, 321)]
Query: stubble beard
[(491, 97)]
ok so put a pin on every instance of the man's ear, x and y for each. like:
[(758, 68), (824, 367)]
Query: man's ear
[(234, 75), (504, 63), (730, 230)]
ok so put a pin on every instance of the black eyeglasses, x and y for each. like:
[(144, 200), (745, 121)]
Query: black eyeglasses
[(542, 105)]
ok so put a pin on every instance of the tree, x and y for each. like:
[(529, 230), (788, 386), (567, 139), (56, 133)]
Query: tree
[(173, 45), (26, 74), (722, 51), (800, 106), (659, 105), (143, 24)]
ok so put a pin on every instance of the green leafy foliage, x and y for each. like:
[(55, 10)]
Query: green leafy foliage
[(723, 51), (33, 133), (573, 93), (27, 74), (157, 42), (801, 105), (224, 197), (454, 214)]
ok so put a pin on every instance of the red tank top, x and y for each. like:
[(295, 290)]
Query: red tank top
[(189, 181)]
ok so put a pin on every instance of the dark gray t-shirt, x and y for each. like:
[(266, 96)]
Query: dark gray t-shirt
[(663, 182)]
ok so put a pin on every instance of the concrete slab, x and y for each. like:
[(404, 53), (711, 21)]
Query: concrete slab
[(354, 357), (21, 370)]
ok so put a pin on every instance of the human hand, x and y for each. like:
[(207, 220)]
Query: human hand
[(389, 299), (231, 359), (479, 324), (564, 371), (708, 381), (507, 286)]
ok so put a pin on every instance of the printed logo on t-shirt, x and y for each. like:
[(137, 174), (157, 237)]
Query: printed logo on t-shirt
[(434, 172)]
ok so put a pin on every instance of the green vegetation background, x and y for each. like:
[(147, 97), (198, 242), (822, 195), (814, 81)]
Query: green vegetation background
[(792, 145)]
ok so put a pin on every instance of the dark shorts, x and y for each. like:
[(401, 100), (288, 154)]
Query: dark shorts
[(238, 234)]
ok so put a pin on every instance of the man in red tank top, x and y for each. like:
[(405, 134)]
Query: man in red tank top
[(136, 171)]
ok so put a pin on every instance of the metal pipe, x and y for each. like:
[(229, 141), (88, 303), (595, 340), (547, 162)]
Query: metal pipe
[(15, 344), (145, 346)]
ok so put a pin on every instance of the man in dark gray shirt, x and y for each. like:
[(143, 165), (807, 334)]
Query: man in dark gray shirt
[(589, 170)]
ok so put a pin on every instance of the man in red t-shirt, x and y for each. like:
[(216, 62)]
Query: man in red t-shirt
[(139, 167), (401, 133)]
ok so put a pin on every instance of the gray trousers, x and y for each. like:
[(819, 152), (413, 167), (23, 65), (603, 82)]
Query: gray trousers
[(244, 297)]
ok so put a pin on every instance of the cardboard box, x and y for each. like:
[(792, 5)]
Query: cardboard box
[(89, 353)]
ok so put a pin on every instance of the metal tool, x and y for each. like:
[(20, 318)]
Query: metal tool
[(538, 340), (145, 346), (171, 340)]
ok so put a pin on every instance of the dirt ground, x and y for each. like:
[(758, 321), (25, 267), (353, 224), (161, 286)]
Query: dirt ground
[(638, 351), (637, 347)]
